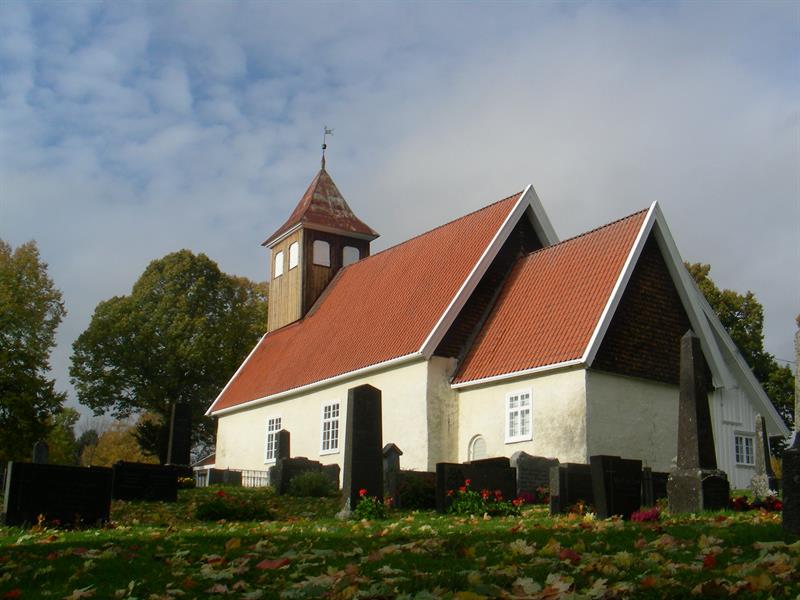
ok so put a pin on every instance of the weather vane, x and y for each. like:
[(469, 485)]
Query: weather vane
[(325, 133)]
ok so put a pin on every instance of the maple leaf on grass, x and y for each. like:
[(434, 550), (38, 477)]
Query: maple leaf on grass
[(77, 594)]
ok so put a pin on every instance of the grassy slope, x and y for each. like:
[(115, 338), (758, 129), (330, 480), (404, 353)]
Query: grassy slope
[(158, 551)]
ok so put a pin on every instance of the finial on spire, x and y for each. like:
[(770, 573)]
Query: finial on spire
[(325, 133)]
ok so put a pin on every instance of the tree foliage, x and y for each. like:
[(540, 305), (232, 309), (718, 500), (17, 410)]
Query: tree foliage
[(62, 446), (30, 312), (178, 337), (742, 315), (118, 442)]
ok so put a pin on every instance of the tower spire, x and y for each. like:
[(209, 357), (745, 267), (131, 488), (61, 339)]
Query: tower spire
[(325, 133)]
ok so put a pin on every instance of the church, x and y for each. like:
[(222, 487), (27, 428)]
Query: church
[(487, 335)]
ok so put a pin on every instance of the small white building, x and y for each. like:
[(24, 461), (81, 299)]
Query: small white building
[(487, 335)]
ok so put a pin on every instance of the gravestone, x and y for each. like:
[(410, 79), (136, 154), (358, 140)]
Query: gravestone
[(140, 481), (490, 474), (286, 469), (764, 479), (790, 481), (283, 445), (62, 494), (391, 471), (533, 472), (224, 477), (363, 457), (41, 453), (696, 484), (654, 486), (617, 485), (569, 484), (179, 446)]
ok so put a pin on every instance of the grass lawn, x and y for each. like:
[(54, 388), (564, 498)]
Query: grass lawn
[(157, 550)]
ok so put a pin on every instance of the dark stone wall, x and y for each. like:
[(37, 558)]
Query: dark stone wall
[(644, 337)]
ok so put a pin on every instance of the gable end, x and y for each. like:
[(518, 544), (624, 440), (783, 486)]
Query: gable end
[(643, 339)]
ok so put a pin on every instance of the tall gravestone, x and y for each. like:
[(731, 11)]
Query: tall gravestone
[(391, 471), (764, 479), (696, 484), (179, 446), (790, 480), (41, 453), (283, 448), (363, 456)]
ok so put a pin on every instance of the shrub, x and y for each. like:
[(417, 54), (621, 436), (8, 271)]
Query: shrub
[(312, 484), (230, 506), (416, 490), (467, 501), (186, 483), (648, 514), (370, 507)]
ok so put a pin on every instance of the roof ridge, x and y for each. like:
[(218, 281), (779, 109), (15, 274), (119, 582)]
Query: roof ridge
[(424, 233), (585, 233)]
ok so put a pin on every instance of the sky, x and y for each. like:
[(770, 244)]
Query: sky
[(131, 130)]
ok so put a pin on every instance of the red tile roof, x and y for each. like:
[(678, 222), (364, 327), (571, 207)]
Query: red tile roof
[(323, 205), (551, 303), (380, 308)]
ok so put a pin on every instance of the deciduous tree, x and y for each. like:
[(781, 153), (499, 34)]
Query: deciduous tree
[(177, 337), (30, 312)]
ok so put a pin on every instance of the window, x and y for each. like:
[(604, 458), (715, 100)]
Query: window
[(350, 254), (477, 448), (743, 445), (294, 255), (330, 428), (278, 270), (322, 253), (271, 443), (518, 416)]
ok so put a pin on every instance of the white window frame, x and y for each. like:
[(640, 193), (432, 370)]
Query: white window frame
[(321, 257), (355, 259), (278, 266), (274, 425), (294, 255), (335, 432), (519, 410), (744, 454)]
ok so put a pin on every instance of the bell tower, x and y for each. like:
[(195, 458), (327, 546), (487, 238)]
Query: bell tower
[(321, 236)]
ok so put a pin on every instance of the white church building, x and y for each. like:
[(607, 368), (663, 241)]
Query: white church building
[(487, 335)]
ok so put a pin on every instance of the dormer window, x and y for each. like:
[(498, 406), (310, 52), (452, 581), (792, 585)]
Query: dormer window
[(322, 253), (350, 254), (278, 270), (294, 252)]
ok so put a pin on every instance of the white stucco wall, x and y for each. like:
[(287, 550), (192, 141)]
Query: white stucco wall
[(241, 435), (632, 418), (558, 416)]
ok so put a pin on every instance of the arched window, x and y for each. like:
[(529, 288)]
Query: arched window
[(294, 255), (278, 270), (477, 448), (350, 254), (322, 253)]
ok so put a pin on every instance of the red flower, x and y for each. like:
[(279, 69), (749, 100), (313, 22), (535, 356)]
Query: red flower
[(517, 501), (362, 492), (467, 482), (498, 494), (485, 494), (463, 488), (449, 492)]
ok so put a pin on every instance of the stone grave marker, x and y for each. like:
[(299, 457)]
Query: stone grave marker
[(41, 453), (141, 481), (224, 477), (283, 445), (67, 495), (490, 473), (617, 485), (363, 456), (286, 469), (696, 484), (179, 446), (790, 482), (533, 472), (654, 486), (391, 471), (764, 479), (570, 483)]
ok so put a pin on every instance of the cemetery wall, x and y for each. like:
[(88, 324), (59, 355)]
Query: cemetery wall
[(558, 418), (632, 418), (241, 435)]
